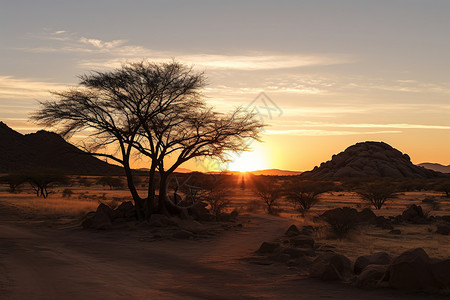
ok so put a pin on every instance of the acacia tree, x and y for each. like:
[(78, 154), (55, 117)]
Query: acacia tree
[(268, 191), (378, 193), (42, 180), (305, 193), (153, 110)]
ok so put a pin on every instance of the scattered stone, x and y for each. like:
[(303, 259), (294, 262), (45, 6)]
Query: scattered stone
[(330, 267), (414, 214), (125, 210), (292, 231), (268, 248), (371, 276), (379, 258)]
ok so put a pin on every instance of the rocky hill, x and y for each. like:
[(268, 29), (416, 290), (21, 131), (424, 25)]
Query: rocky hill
[(46, 150), (370, 159)]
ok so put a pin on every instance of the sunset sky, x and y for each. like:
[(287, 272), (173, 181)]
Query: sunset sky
[(333, 72)]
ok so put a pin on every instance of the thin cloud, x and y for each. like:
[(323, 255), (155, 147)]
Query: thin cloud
[(318, 132), (20, 88), (364, 125), (121, 52)]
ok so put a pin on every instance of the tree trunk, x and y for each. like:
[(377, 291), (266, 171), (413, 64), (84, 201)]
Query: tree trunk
[(138, 202), (150, 204)]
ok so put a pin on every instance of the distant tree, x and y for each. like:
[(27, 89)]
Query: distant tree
[(41, 181), (442, 185), (83, 181), (242, 185), (305, 193), (67, 193), (215, 191), (155, 110), (112, 182), (14, 181), (268, 191), (378, 193)]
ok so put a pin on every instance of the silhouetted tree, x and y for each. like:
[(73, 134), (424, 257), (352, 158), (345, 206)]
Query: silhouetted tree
[(41, 181), (268, 191), (13, 180), (305, 193), (112, 182), (156, 110), (378, 193)]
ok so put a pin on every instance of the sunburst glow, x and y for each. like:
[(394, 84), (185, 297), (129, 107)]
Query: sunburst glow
[(249, 161)]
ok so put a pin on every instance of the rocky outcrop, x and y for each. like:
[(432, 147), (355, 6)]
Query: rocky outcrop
[(370, 159)]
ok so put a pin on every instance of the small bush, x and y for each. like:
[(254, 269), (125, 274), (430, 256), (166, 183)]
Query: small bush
[(341, 220), (67, 193)]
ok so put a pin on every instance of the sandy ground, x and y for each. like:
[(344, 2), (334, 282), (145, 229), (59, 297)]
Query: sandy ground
[(46, 261)]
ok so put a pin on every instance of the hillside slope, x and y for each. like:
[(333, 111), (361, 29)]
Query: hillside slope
[(46, 150)]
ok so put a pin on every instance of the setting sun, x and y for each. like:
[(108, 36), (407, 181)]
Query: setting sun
[(249, 161)]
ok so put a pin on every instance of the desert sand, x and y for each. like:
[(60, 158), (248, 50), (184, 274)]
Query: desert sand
[(53, 258)]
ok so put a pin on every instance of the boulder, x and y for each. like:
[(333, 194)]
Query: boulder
[(125, 210), (331, 267), (413, 214), (292, 231), (268, 248), (379, 258), (367, 216), (101, 219), (395, 231), (371, 276), (441, 274), (411, 271)]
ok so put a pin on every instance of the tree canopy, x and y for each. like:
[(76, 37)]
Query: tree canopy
[(153, 110)]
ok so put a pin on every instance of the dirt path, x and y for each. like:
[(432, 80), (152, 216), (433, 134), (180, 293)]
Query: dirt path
[(38, 262)]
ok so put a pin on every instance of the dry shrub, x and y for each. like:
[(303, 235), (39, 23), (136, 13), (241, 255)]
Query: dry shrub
[(341, 220), (268, 191), (303, 194), (378, 193)]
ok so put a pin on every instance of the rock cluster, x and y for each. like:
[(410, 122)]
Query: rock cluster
[(411, 271), (104, 217), (370, 159)]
